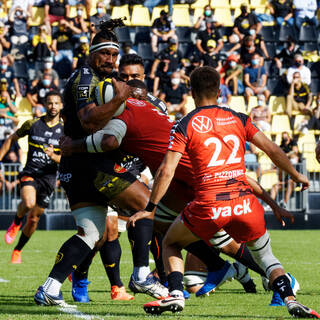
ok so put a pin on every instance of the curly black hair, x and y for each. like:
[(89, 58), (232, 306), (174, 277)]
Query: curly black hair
[(130, 59)]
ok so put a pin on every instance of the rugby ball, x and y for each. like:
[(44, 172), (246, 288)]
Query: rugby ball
[(104, 92)]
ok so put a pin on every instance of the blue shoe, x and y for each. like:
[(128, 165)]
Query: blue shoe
[(295, 286), (80, 289), (186, 294), (44, 299), (216, 279)]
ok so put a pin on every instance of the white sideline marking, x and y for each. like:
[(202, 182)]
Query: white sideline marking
[(78, 314), (4, 280)]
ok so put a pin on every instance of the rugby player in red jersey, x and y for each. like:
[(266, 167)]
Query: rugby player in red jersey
[(214, 138)]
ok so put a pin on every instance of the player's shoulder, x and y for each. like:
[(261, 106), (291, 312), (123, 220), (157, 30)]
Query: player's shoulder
[(27, 125), (158, 103)]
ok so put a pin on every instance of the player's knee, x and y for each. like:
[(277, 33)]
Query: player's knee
[(262, 254), (33, 219), (112, 227), (194, 280), (30, 204)]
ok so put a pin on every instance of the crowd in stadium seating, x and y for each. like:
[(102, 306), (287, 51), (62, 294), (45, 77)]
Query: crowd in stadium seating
[(269, 50)]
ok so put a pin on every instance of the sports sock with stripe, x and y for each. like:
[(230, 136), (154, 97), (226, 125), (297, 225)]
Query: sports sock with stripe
[(156, 250)]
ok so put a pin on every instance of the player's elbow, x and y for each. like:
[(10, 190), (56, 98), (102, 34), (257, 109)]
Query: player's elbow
[(109, 143)]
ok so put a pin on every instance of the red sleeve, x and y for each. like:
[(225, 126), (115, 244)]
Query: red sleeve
[(177, 139), (125, 117), (251, 129)]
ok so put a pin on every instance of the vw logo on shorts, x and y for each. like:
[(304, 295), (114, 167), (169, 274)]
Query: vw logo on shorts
[(202, 124)]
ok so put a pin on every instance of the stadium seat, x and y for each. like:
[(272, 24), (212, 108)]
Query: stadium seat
[(238, 104), (140, 16), (268, 34), (37, 16), (223, 15), (277, 104), (280, 123), (20, 69), (271, 48), (145, 51), (268, 180), (199, 4), (120, 12), (142, 34), (306, 142), (258, 3), (24, 107), (198, 12), (156, 12), (252, 175), (253, 102), (180, 16), (275, 86), (186, 49), (237, 3), (297, 121), (307, 33), (285, 32), (311, 162), (190, 104), (219, 4), (227, 46), (184, 34), (310, 46), (315, 86), (123, 34)]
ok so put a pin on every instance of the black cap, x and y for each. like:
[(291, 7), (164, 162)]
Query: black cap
[(163, 13)]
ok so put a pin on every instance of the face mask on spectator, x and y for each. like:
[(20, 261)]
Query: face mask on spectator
[(207, 13), (233, 64), (4, 66), (252, 32), (243, 10), (48, 65), (294, 160), (79, 12), (219, 100), (299, 63), (260, 103), (255, 62), (100, 10), (175, 81), (46, 82)]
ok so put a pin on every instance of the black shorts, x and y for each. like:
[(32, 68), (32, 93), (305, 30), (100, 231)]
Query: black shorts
[(44, 186), (93, 178)]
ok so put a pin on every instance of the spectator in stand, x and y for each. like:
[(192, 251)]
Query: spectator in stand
[(285, 59), (150, 4), (55, 10), (209, 34), (162, 30), (281, 11), (18, 26), (7, 72), (81, 3), (225, 96), (305, 11), (248, 50), (255, 79), (5, 43), (260, 115), (77, 24), (299, 97), (233, 75), (207, 16), (95, 20), (25, 5), (301, 68), (212, 57), (175, 96), (246, 24), (186, 70), (81, 53), (8, 108), (314, 121), (36, 95), (41, 43), (47, 69)]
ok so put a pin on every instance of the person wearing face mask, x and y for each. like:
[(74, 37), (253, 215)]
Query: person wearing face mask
[(41, 44), (175, 95), (211, 58), (37, 94), (299, 97), (234, 75), (260, 115), (47, 69), (245, 24), (18, 26), (5, 43), (305, 12), (77, 24), (281, 11), (54, 11), (206, 16), (7, 72), (301, 68), (255, 79), (81, 53), (248, 49), (99, 16)]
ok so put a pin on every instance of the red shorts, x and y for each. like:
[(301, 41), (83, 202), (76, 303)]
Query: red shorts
[(53, 18), (242, 218)]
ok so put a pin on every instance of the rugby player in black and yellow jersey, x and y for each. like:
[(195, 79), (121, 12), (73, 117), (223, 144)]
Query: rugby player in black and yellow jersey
[(93, 181), (38, 178)]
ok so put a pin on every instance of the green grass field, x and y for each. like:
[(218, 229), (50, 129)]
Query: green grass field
[(297, 250)]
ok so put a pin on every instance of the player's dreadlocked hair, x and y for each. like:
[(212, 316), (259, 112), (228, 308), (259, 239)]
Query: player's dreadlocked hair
[(106, 30)]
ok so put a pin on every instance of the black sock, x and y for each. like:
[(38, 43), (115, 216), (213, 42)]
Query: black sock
[(175, 281), (82, 271), (156, 250), (244, 256), (22, 241), (110, 254), (69, 257), (208, 255), (140, 239), (282, 286), (17, 220)]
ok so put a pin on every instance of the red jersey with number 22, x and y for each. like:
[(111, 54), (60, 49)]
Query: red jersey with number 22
[(214, 139)]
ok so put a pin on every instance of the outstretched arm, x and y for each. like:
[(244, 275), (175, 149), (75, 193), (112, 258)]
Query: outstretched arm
[(7, 144)]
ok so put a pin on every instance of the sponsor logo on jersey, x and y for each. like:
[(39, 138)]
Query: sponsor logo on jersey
[(119, 169), (65, 177), (58, 130), (86, 71), (202, 124), (136, 103), (48, 134), (227, 211), (83, 92)]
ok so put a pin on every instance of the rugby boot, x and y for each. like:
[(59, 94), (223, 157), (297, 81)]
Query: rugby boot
[(186, 294), (80, 289), (120, 293), (171, 303), (12, 232), (150, 286), (16, 257), (216, 279), (243, 276), (298, 310), (44, 299)]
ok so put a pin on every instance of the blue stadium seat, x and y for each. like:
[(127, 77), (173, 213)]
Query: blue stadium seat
[(123, 34), (315, 69), (271, 48), (276, 87), (142, 34), (307, 33), (20, 69), (315, 85), (187, 49), (286, 32), (310, 46), (145, 51), (268, 33), (184, 34)]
